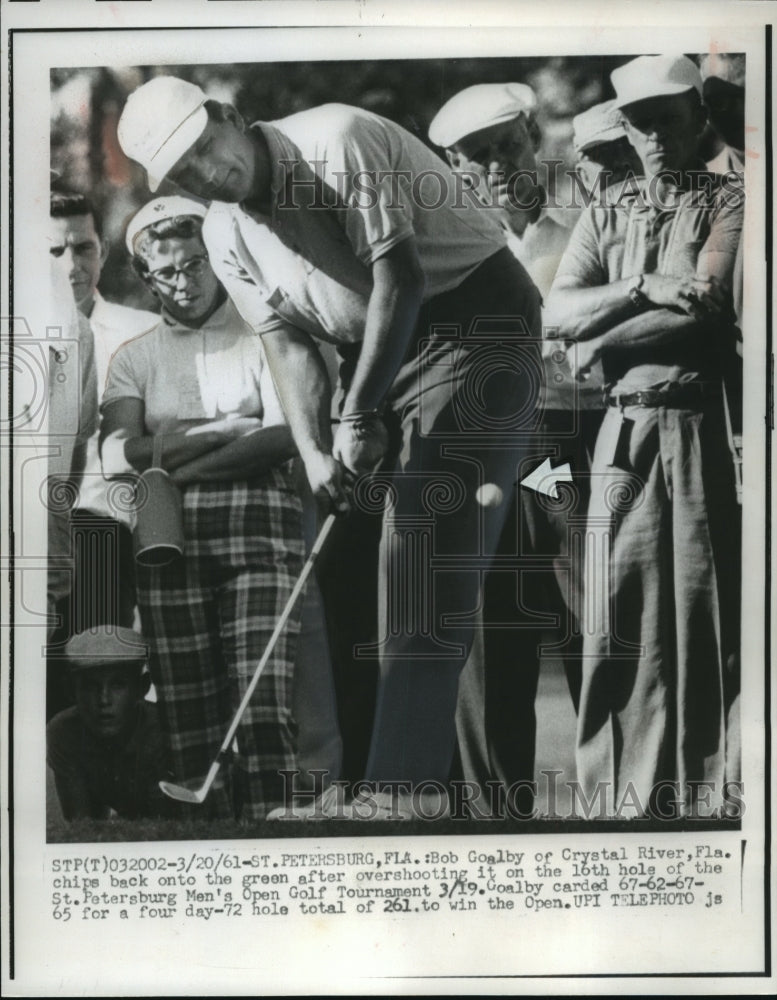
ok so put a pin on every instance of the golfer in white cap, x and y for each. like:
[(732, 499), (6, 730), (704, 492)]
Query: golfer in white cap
[(646, 286), (337, 223)]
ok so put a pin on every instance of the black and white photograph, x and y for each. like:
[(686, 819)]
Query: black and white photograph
[(388, 443)]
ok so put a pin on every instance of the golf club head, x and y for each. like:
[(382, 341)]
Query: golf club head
[(181, 794)]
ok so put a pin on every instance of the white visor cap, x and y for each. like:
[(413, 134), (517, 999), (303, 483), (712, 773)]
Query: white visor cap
[(599, 124), (654, 76), (160, 121), (479, 107), (160, 210)]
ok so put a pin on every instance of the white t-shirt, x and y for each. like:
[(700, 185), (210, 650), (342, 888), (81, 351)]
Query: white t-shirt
[(187, 376)]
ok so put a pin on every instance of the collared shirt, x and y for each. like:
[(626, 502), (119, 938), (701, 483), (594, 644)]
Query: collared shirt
[(623, 235), (112, 324), (540, 249), (72, 413), (186, 376), (347, 186), (72, 385)]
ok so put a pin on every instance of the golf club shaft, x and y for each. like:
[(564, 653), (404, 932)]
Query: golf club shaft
[(306, 569)]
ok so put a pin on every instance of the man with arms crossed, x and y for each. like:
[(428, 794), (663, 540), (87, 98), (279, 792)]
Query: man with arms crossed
[(646, 286)]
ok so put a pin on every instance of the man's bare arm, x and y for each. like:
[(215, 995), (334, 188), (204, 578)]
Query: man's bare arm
[(579, 312), (653, 328), (302, 383), (397, 293)]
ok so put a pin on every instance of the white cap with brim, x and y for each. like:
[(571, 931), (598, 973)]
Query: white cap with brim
[(105, 645), (654, 76), (160, 121), (599, 124), (160, 210), (479, 107)]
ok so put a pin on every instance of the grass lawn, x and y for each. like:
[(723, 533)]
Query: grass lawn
[(555, 751)]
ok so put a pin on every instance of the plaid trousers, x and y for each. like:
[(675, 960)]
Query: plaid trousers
[(208, 617)]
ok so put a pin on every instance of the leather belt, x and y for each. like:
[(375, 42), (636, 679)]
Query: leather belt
[(678, 396)]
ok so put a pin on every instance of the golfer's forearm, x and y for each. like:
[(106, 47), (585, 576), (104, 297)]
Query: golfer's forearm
[(246, 457), (398, 285), (302, 383)]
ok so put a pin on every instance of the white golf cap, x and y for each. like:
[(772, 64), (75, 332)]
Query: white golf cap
[(479, 107), (601, 123), (654, 76), (159, 210), (160, 121)]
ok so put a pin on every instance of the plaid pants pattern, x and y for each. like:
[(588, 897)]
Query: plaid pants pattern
[(208, 617)]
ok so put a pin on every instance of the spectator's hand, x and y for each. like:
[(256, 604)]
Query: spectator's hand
[(582, 356), (696, 297), (360, 443), (327, 479)]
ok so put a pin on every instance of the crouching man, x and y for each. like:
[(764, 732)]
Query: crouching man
[(107, 751)]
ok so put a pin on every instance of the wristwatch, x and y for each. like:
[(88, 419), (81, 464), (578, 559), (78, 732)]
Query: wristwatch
[(637, 296)]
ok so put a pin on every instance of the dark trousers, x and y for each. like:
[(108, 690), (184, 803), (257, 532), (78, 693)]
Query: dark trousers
[(462, 412), (531, 610), (102, 593)]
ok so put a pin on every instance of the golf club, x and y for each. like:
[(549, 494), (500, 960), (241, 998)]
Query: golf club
[(198, 795)]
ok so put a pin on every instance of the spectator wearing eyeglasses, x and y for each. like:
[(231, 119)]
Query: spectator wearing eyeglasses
[(198, 381)]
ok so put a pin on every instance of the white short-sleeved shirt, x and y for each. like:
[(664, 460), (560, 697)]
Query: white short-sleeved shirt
[(187, 376), (347, 186)]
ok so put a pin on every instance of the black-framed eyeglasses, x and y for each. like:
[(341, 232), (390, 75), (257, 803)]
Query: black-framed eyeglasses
[(191, 269)]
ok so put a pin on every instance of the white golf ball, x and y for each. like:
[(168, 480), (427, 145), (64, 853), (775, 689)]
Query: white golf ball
[(489, 495)]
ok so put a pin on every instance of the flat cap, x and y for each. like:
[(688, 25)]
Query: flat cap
[(160, 210), (601, 123), (654, 76), (479, 107), (105, 645)]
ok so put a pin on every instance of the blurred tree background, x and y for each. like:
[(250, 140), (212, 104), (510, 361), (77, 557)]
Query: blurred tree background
[(86, 104)]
